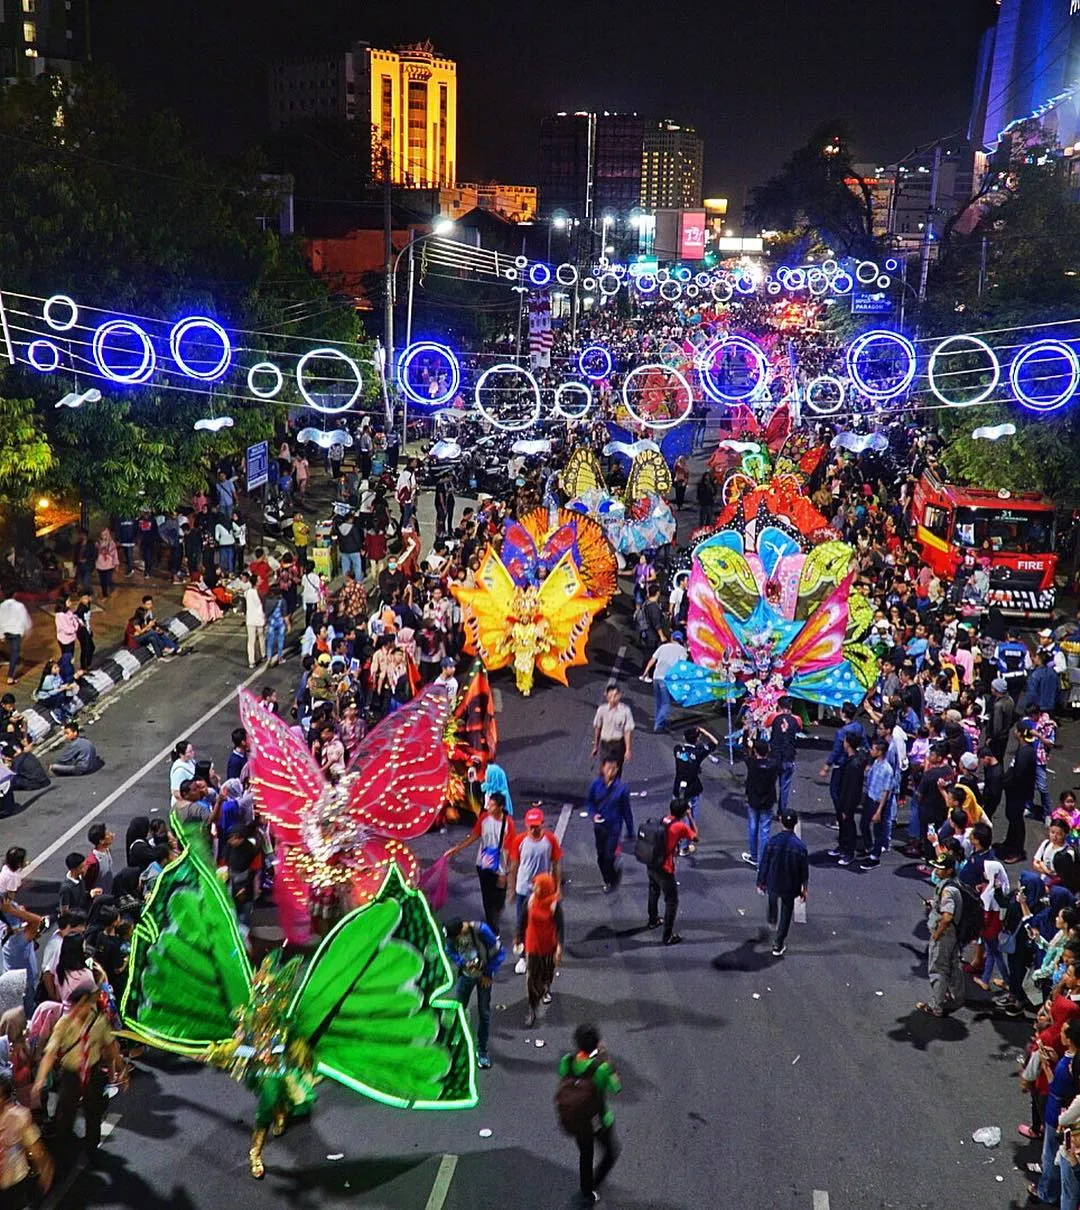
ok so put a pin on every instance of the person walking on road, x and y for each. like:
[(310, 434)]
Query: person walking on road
[(613, 728), (783, 744), (762, 773), (943, 959), (587, 1078), (689, 757), (495, 830), (532, 852), (662, 876), (849, 798), (15, 625), (543, 948), (477, 954), (608, 802), (784, 875), (254, 621), (662, 660)]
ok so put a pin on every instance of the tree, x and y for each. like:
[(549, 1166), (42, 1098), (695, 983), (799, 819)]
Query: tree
[(25, 454), (817, 196)]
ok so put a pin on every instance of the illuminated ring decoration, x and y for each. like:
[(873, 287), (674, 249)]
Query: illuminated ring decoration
[(64, 301), (708, 355), (693, 290), (520, 262), (796, 279), (301, 365), (774, 288), (830, 268), (1045, 346), (663, 275), (862, 276), (619, 270), (609, 364), (782, 274), (405, 362), (816, 281), (722, 291), (510, 274), (657, 425), (682, 273), (176, 337), (891, 265), (539, 275), (588, 283), (843, 283), (703, 280), (640, 281), (883, 282), (745, 284), (859, 346), (48, 347), (671, 353), (671, 290), (508, 367), (606, 290), (265, 367), (985, 393), (564, 388), (149, 357), (560, 275), (821, 409)]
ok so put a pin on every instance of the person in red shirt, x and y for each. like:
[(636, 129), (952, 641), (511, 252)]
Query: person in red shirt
[(534, 851), (261, 568), (542, 949), (662, 877)]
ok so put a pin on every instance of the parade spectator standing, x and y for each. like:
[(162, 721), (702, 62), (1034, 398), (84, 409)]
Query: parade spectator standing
[(706, 498), (783, 743), (15, 625), (613, 728), (405, 491), (1013, 661), (849, 798), (477, 954), (608, 802), (784, 875), (839, 755), (586, 1080), (67, 635), (543, 951), (254, 621), (107, 561), (25, 1156), (877, 793), (678, 832), (689, 756), (1019, 793), (762, 774), (943, 959)]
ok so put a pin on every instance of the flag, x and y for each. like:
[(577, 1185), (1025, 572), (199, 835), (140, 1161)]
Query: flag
[(474, 714), (541, 337)]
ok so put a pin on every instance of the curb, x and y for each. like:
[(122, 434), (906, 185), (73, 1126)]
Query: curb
[(116, 668)]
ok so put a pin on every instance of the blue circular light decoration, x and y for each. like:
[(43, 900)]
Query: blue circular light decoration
[(338, 355), (795, 279), (675, 378), (708, 356), (34, 358), (265, 367), (63, 301), (539, 275), (147, 364), (866, 271), (1040, 347), (405, 362), (843, 283), (821, 408), (509, 368), (640, 281), (985, 393), (817, 282), (564, 389), (891, 265), (721, 291), (176, 339), (682, 273), (671, 291), (566, 274), (881, 336), (773, 288), (613, 284), (591, 351)]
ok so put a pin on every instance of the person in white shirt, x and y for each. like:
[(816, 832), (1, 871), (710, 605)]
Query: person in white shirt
[(447, 680), (15, 625), (662, 660), (311, 592), (225, 541), (613, 728), (254, 621)]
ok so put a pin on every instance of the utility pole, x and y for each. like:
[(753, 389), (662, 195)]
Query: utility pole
[(928, 226), (388, 253), (982, 265)]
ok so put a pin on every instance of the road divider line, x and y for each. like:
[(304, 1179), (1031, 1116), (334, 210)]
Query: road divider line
[(564, 819), (620, 655), (78, 828), (437, 1198), (821, 1200), (112, 1120)]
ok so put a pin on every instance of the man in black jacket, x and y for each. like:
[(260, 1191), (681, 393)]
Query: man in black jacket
[(1002, 714), (784, 874), (849, 798), (762, 773), (1019, 791)]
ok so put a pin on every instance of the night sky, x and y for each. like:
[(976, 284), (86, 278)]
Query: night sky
[(754, 76)]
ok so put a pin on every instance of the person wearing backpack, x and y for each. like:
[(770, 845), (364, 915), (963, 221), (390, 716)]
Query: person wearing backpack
[(949, 932), (586, 1079), (658, 841)]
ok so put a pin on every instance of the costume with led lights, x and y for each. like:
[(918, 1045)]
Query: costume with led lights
[(371, 1010)]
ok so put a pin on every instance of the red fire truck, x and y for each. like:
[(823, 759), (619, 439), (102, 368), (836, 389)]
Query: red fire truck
[(1014, 531)]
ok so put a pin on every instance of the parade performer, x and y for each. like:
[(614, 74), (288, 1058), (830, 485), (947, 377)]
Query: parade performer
[(372, 1010)]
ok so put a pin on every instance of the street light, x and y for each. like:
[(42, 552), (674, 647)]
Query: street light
[(559, 221)]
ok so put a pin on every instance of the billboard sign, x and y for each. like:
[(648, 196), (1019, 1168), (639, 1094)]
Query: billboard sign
[(691, 234)]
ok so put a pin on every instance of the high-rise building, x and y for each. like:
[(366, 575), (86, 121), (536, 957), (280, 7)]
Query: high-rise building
[(671, 161), (407, 96), (38, 36), (593, 164)]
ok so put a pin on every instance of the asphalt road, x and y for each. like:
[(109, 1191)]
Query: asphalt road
[(805, 1083)]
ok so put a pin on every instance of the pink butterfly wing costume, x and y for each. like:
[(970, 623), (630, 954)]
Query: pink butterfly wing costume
[(336, 841)]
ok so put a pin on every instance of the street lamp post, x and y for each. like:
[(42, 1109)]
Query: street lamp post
[(559, 222)]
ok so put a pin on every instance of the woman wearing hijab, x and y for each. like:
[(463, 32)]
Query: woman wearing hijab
[(994, 895), (495, 779), (541, 942), (136, 842)]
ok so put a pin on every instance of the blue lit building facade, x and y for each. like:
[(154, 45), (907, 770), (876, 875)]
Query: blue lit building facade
[(1029, 67)]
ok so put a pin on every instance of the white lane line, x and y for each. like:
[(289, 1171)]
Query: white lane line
[(112, 1120), (496, 699), (564, 819), (78, 828), (821, 1200), (437, 1198), (619, 656)]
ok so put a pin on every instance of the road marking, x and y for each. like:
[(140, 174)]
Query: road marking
[(112, 1120), (564, 819), (821, 1200), (619, 656), (437, 1198), (77, 829), (496, 699)]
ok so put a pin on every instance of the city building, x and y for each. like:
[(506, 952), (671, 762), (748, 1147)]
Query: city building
[(567, 144), (516, 203), (1029, 67), (407, 96), (670, 166), (617, 164), (38, 36)]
